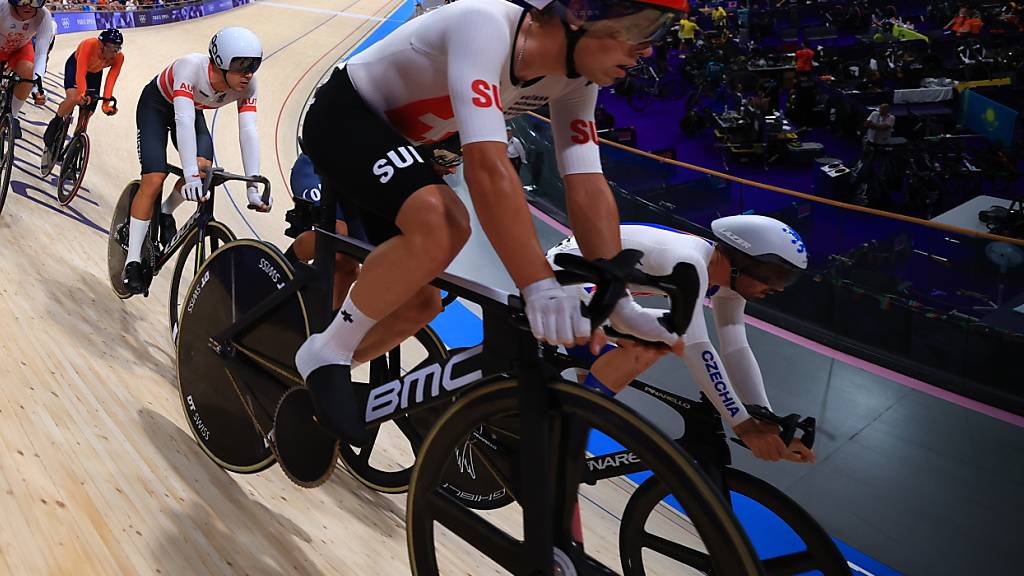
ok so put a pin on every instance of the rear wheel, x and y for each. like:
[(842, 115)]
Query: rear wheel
[(190, 259), (230, 402), (72, 169), (6, 157)]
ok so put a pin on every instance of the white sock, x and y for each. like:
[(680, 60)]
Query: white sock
[(16, 106), (136, 238), (173, 200), (337, 343)]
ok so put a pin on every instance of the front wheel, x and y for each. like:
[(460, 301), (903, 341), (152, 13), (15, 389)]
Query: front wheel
[(810, 550), (190, 259), (6, 157), (501, 538), (117, 240), (72, 169)]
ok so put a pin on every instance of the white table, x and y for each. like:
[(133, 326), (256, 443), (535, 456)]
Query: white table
[(966, 214)]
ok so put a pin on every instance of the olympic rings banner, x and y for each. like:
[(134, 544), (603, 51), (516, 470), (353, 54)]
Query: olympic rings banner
[(85, 21)]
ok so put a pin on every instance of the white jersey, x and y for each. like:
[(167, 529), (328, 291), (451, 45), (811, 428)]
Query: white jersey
[(450, 71), (663, 248), (16, 33), (186, 84)]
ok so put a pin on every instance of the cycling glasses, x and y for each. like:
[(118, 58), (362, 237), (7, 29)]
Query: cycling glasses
[(245, 64), (634, 23)]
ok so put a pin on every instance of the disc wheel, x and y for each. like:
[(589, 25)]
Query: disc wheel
[(815, 551), (72, 169), (190, 259), (6, 157), (230, 402), (385, 464), (117, 240), (501, 540)]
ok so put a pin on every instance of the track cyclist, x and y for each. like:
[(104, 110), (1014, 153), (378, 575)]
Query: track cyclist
[(84, 71), (466, 67), (753, 257), (173, 103), (19, 23)]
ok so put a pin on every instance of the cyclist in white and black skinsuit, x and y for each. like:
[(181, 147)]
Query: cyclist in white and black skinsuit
[(172, 104), (754, 256), (467, 67)]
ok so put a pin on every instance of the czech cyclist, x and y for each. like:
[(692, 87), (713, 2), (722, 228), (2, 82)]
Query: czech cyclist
[(83, 71), (466, 67), (754, 256), (19, 23), (173, 103)]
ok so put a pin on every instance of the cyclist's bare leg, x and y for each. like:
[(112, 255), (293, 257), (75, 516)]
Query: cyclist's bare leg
[(434, 226), (617, 368), (401, 324), (70, 100), (345, 269), (23, 68), (175, 199)]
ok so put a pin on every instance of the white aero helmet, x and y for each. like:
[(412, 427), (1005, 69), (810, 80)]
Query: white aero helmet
[(771, 251), (236, 49)]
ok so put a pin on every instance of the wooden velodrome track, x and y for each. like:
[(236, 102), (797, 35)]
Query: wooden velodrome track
[(98, 472)]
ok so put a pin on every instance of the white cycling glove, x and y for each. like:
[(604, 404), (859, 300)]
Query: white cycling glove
[(631, 318), (555, 313), (256, 200), (193, 191)]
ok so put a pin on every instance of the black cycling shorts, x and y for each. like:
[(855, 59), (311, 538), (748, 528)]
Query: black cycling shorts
[(92, 79), (370, 166), (154, 119)]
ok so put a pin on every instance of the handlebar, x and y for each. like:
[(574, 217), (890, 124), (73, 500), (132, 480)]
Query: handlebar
[(789, 425), (213, 177), (613, 276), (94, 95)]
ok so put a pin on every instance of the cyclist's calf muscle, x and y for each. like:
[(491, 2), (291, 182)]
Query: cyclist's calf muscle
[(149, 190), (401, 324), (345, 268)]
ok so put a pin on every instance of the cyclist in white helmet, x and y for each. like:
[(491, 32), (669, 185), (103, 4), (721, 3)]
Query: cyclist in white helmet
[(20, 20), (754, 256), (173, 103), (465, 68)]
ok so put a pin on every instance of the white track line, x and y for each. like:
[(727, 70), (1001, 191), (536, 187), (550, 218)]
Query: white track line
[(322, 11)]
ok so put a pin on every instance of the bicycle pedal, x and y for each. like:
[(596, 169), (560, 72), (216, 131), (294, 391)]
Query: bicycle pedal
[(307, 453)]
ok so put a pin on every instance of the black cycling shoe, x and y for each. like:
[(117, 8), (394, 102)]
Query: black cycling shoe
[(51, 131), (334, 402), (135, 278), (168, 228)]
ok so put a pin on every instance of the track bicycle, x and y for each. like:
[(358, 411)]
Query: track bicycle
[(74, 157), (469, 476), (197, 238), (249, 310), (9, 80)]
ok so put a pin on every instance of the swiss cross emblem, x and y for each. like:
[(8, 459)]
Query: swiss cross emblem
[(424, 121)]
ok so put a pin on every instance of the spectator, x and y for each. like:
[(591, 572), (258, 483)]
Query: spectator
[(879, 126), (804, 60), (957, 21), (972, 25), (130, 6), (688, 30), (516, 152), (719, 16)]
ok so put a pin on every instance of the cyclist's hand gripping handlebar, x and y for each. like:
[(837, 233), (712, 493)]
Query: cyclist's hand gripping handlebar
[(788, 425)]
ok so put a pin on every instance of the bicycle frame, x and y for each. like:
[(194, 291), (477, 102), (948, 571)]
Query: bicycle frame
[(199, 219)]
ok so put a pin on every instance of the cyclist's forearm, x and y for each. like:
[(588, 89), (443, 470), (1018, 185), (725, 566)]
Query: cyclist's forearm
[(709, 373), (746, 376), (593, 215), (185, 131), (505, 217)]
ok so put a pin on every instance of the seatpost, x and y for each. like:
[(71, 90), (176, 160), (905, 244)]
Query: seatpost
[(323, 261), (535, 459)]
